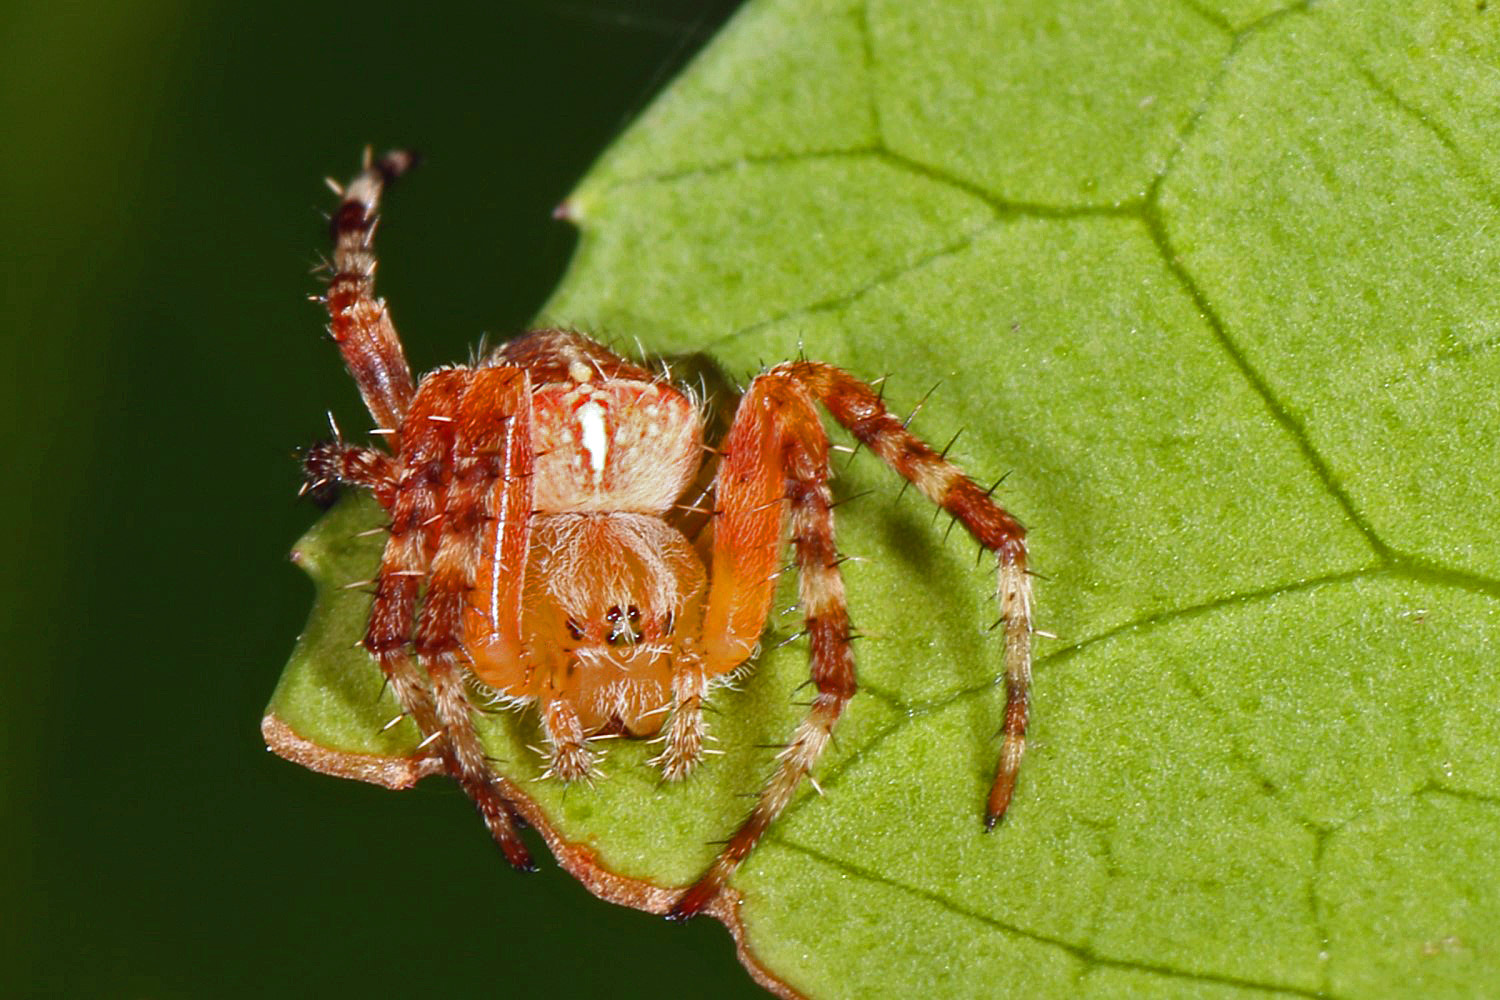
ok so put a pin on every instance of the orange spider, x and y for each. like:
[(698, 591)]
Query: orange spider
[(535, 542)]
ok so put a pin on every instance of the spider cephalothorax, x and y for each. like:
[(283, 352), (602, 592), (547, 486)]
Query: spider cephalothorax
[(535, 543)]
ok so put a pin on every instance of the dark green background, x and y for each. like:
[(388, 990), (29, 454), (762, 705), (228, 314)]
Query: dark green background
[(160, 212)]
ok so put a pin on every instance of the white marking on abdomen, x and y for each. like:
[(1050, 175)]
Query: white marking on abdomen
[(595, 436)]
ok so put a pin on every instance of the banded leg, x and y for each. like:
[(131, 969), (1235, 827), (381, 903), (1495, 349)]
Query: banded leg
[(777, 440), (358, 321), (478, 431), (859, 408), (332, 464)]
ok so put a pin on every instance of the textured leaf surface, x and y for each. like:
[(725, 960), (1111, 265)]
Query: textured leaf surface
[(1215, 284)]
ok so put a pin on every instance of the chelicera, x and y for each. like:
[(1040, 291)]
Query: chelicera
[(538, 542)]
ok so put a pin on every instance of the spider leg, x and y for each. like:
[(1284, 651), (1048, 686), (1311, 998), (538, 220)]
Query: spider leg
[(682, 746), (476, 446), (859, 408), (570, 758), (388, 638), (330, 464), (777, 447), (402, 566), (358, 321), (499, 428)]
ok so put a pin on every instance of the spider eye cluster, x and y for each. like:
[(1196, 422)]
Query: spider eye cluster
[(624, 626), (621, 626)]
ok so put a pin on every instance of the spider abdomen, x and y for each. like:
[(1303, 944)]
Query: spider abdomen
[(613, 445)]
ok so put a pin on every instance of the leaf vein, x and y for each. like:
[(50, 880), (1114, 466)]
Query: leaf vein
[(1291, 423), (1426, 123), (915, 711), (848, 298), (1084, 955)]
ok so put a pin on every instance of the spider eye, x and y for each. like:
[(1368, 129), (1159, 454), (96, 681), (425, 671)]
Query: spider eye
[(574, 630), (624, 626)]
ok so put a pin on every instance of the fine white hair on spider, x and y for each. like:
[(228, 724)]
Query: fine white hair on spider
[(563, 540)]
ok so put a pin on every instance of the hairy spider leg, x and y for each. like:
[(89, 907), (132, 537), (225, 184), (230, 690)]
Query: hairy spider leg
[(860, 409), (480, 422), (742, 551), (775, 466), (411, 489), (359, 322), (682, 744), (336, 463), (782, 431), (416, 528)]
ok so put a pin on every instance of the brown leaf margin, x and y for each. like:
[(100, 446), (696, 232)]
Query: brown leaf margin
[(401, 773)]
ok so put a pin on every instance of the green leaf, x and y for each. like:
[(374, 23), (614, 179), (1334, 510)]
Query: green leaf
[(1214, 285)]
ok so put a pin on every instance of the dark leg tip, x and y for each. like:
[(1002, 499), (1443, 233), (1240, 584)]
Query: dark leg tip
[(999, 800), (320, 473), (397, 162), (691, 903)]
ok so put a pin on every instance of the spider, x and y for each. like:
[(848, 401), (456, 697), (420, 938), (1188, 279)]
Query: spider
[(535, 542)]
